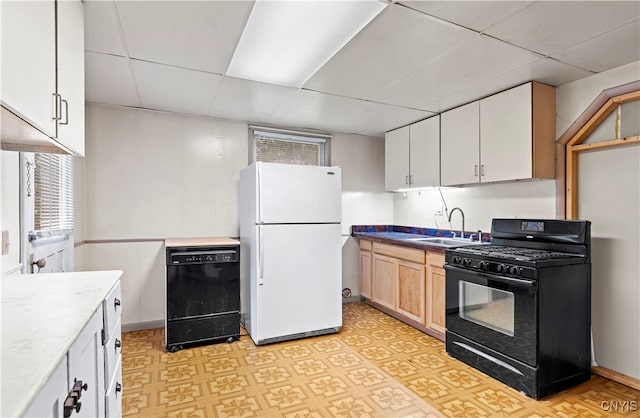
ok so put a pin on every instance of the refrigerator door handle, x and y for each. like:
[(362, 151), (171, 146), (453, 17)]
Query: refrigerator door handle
[(260, 188), (261, 255)]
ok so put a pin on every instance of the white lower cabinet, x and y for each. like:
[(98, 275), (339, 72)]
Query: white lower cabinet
[(86, 370), (48, 403), (88, 381)]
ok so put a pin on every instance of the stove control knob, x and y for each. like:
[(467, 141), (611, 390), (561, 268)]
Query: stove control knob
[(455, 260), (513, 270), (482, 265), (467, 262), (502, 268)]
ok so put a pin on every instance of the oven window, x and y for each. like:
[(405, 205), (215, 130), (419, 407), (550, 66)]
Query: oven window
[(486, 306)]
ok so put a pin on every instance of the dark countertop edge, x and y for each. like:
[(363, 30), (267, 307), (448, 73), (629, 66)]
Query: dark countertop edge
[(400, 242), (370, 232)]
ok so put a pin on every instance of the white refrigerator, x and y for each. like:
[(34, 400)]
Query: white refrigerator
[(290, 251)]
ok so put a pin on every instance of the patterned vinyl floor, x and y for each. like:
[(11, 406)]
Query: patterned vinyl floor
[(375, 367)]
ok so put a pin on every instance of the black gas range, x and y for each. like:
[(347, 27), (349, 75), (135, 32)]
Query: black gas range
[(519, 309)]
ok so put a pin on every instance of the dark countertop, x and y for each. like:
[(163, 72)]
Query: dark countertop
[(405, 235)]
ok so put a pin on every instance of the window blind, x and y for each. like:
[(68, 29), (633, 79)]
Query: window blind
[(53, 194), (286, 148)]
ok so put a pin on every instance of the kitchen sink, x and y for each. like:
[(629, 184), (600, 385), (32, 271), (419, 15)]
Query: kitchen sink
[(445, 242)]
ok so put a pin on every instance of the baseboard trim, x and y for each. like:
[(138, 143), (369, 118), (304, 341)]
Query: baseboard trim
[(617, 377), (139, 326)]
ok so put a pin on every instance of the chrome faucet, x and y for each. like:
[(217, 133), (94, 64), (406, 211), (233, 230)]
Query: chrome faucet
[(461, 213)]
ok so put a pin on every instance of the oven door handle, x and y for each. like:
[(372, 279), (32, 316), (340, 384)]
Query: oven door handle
[(502, 279)]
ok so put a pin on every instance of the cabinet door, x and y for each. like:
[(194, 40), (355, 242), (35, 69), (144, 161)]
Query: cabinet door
[(411, 290), (29, 61), (384, 280), (396, 159), (365, 273), (86, 363), (71, 74), (435, 318), (49, 402), (459, 145), (505, 135), (424, 164)]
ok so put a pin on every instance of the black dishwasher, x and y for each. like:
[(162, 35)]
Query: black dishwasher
[(202, 295)]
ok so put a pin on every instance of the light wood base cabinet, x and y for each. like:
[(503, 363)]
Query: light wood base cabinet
[(406, 283), (365, 268), (411, 290), (435, 315)]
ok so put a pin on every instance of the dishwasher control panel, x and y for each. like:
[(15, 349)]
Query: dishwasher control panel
[(204, 257)]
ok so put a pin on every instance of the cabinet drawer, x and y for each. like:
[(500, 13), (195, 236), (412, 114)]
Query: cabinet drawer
[(114, 394), (435, 259), (112, 310), (410, 254), (113, 348), (365, 245)]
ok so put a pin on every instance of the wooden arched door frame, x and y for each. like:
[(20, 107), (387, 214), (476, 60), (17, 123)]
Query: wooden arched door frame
[(568, 148), (571, 144)]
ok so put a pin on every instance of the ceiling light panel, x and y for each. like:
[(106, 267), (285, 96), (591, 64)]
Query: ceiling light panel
[(285, 42)]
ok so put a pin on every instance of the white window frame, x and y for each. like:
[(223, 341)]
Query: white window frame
[(322, 140)]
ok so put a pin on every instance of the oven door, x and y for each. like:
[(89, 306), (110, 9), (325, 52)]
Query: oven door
[(497, 312)]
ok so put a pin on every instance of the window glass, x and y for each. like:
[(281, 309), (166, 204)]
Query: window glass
[(53, 194), (285, 148)]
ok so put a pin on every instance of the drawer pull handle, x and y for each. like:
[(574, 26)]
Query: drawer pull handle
[(116, 303), (118, 387), (118, 343)]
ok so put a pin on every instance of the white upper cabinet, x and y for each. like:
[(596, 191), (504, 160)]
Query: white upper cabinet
[(505, 137), (43, 82), (396, 159), (424, 155), (71, 75), (412, 155), (460, 145), (29, 62)]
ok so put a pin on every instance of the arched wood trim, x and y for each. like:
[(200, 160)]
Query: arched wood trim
[(608, 98), (568, 147)]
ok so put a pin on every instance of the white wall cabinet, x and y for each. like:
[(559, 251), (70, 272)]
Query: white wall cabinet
[(507, 136), (460, 145), (43, 82), (412, 155), (29, 61)]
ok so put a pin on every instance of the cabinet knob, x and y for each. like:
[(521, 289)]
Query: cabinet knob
[(116, 302), (79, 387), (118, 343), (78, 406), (118, 387)]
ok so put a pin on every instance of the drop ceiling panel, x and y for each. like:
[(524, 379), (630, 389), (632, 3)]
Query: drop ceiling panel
[(622, 46), (397, 42), (199, 35), (547, 71), (374, 119), (163, 87), (248, 100), (101, 28), (309, 109), (477, 15), (108, 80), (549, 26), (472, 63)]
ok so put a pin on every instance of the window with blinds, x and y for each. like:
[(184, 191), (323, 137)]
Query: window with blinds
[(282, 147), (53, 194)]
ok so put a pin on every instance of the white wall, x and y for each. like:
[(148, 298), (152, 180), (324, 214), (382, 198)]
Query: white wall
[(532, 199), (150, 175), (364, 200), (10, 211)]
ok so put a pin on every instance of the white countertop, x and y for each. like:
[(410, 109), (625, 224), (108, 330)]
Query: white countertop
[(200, 242), (41, 316)]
